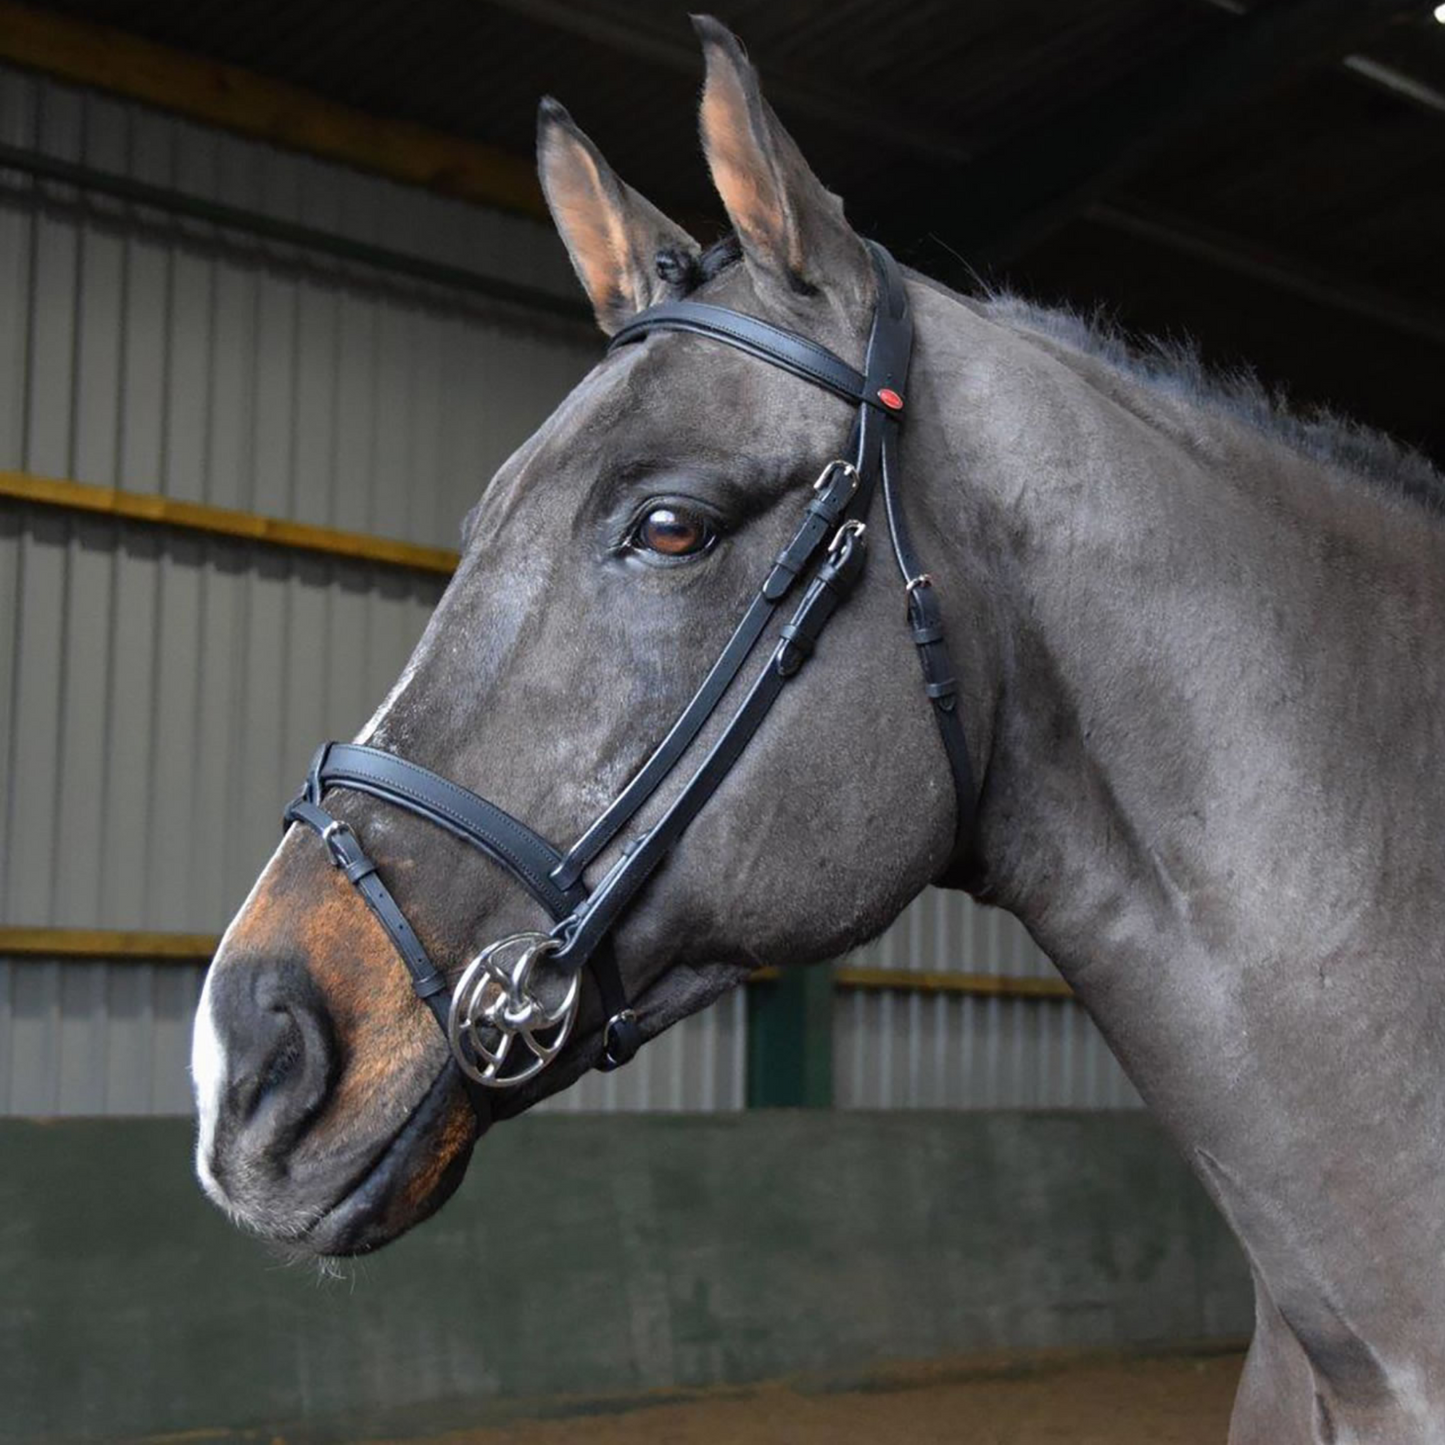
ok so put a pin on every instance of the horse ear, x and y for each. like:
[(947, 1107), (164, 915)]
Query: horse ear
[(791, 226), (613, 235)]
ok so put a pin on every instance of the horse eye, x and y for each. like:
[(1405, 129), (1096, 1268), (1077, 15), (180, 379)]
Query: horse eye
[(673, 532)]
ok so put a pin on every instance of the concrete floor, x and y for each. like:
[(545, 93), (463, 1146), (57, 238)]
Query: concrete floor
[(1156, 1401)]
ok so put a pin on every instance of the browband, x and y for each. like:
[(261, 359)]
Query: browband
[(769, 343)]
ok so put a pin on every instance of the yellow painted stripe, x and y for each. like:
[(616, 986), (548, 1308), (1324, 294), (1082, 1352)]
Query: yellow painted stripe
[(220, 521), (251, 105), (120, 945), (140, 947), (907, 980), (979, 985)]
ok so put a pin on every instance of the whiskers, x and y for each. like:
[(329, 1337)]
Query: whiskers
[(327, 1270)]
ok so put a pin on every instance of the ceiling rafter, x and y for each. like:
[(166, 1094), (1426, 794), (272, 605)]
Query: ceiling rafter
[(1016, 194), (848, 107)]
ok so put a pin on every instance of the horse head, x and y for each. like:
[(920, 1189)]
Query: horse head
[(603, 571)]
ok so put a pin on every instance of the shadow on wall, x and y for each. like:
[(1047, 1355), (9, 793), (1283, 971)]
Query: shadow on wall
[(592, 1256)]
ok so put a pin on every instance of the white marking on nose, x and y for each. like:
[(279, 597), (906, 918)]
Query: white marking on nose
[(208, 1057), (208, 1076)]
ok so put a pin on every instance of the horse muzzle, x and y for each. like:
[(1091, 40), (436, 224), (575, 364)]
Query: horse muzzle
[(275, 1093)]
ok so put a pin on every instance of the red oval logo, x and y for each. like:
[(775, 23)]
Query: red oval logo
[(890, 399)]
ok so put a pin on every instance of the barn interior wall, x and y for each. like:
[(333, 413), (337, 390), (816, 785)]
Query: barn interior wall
[(160, 692)]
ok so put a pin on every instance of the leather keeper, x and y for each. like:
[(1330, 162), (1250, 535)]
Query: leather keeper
[(363, 867)]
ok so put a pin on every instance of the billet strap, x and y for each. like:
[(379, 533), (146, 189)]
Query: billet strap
[(940, 679), (925, 616)]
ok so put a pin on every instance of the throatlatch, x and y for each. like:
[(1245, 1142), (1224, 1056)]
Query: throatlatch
[(516, 1003)]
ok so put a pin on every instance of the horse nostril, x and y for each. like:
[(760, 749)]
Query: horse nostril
[(280, 1047), (284, 1065)]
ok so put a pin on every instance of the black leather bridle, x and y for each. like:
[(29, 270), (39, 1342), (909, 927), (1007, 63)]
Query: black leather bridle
[(496, 1001)]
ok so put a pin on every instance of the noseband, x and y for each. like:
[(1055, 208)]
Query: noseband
[(514, 1007)]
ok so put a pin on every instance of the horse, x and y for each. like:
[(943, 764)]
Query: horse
[(1200, 683)]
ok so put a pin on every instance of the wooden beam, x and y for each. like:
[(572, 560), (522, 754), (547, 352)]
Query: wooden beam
[(156, 510), (908, 980), (974, 985), (140, 946), (269, 110), (107, 945)]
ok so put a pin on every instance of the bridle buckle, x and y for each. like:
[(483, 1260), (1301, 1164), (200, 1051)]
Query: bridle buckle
[(336, 834), (851, 530), (825, 477), (619, 1039)]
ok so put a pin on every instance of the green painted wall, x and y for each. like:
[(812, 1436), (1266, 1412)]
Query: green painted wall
[(590, 1256)]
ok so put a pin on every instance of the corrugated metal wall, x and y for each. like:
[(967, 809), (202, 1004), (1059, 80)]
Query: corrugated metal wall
[(153, 683), (164, 356), (896, 1049)]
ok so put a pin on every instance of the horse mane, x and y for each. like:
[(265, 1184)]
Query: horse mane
[(1173, 366)]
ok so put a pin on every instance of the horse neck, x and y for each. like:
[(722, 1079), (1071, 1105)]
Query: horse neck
[(1207, 701), (1196, 640)]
